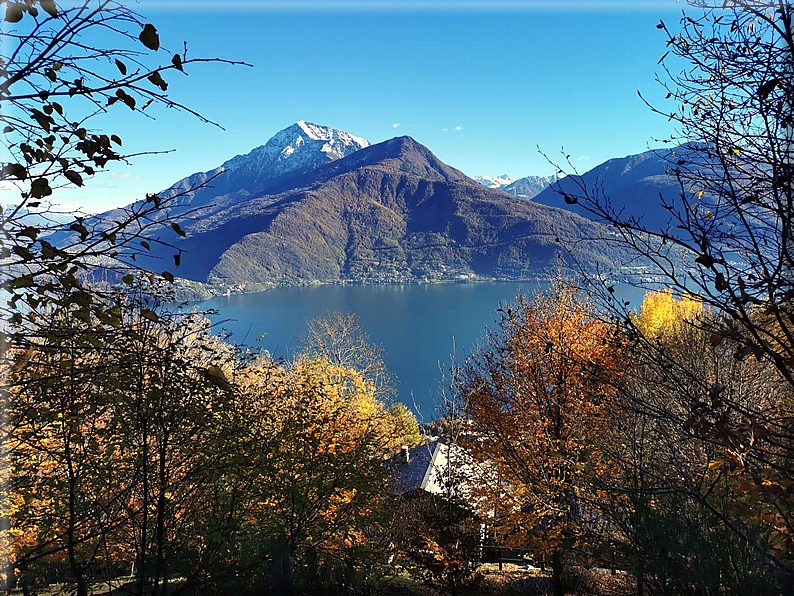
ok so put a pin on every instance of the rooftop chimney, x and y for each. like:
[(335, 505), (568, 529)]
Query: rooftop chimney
[(406, 453)]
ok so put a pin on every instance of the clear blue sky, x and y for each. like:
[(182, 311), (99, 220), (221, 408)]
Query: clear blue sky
[(482, 84)]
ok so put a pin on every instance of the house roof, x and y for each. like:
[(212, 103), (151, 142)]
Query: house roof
[(413, 474), (436, 468)]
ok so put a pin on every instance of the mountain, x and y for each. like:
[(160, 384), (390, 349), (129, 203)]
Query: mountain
[(40, 219), (495, 182), (526, 187), (633, 185), (291, 152), (529, 186), (391, 212)]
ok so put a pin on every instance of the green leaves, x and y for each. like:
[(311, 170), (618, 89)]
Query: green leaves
[(149, 37)]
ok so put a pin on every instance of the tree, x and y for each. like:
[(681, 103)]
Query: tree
[(61, 67), (110, 440), (313, 465), (339, 339), (168, 398), (439, 538), (537, 395), (729, 238), (675, 490), (56, 78)]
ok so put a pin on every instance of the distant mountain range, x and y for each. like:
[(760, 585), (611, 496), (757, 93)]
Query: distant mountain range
[(495, 182), (318, 205), (633, 186), (525, 188), (43, 220)]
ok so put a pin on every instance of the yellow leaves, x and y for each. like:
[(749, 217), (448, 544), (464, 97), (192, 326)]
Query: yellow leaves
[(318, 431), (215, 375), (661, 313), (717, 463)]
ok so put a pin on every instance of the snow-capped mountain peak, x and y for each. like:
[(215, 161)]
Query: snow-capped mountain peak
[(303, 144), (494, 182), (298, 148)]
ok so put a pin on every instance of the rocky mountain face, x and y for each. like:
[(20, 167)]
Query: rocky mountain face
[(391, 212), (291, 152)]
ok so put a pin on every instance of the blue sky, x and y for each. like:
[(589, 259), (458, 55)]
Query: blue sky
[(482, 84)]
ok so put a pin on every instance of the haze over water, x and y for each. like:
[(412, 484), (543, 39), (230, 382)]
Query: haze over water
[(418, 325)]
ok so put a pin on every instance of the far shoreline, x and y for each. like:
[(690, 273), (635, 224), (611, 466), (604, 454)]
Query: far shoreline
[(196, 292)]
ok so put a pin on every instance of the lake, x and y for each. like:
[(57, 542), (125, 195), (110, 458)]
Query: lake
[(418, 325)]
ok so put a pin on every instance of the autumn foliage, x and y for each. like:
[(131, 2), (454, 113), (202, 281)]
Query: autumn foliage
[(160, 448), (538, 394), (701, 456)]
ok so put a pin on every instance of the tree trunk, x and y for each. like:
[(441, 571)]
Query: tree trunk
[(11, 577), (71, 538), (282, 577), (556, 573), (144, 513), (159, 569)]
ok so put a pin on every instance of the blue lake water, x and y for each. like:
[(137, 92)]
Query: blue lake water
[(418, 325)]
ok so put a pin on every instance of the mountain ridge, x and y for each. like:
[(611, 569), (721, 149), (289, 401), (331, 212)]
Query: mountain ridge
[(338, 209), (632, 185), (390, 212), (294, 150)]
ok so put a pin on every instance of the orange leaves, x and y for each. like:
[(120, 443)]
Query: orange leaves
[(537, 395)]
